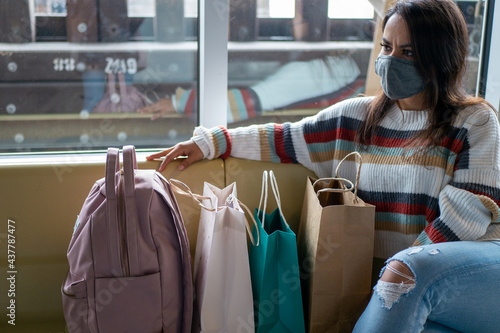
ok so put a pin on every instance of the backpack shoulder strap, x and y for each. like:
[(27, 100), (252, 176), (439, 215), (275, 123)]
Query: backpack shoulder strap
[(169, 197)]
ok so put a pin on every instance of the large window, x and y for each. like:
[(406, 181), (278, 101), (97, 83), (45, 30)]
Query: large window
[(73, 74), (305, 55)]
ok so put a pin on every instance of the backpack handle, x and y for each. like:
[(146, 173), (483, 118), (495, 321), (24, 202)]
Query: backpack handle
[(112, 172), (129, 167), (112, 167)]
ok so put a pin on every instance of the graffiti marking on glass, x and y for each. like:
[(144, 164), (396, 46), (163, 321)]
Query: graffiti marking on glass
[(113, 65), (64, 64), (116, 65)]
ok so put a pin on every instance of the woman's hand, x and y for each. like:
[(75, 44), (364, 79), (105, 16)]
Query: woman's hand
[(186, 148)]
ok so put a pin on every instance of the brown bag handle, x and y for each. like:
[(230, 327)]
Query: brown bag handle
[(357, 174), (336, 190)]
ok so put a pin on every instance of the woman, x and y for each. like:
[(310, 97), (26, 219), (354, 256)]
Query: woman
[(431, 167)]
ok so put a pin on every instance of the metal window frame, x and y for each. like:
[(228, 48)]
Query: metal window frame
[(489, 74), (213, 62)]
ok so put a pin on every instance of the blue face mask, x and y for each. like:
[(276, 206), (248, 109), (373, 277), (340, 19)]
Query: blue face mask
[(400, 78)]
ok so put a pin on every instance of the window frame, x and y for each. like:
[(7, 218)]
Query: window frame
[(489, 73)]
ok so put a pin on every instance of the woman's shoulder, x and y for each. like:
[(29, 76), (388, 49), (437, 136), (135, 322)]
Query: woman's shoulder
[(477, 114)]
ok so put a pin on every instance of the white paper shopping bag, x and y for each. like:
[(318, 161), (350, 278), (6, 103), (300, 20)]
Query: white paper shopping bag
[(223, 287)]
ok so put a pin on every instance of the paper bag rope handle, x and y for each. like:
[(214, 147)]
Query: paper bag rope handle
[(176, 186), (248, 226), (263, 194), (355, 186), (345, 189)]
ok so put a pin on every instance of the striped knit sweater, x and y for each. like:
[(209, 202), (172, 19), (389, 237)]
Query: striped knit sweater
[(448, 194)]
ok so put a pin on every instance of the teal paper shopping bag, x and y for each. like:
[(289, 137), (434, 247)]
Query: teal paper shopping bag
[(274, 271)]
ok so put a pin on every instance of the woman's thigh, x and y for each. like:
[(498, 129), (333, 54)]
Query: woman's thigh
[(458, 282)]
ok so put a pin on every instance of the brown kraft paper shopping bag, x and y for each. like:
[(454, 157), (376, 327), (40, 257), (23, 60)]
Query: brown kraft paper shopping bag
[(335, 248)]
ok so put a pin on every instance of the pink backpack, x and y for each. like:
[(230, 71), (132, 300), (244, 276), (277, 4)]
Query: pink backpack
[(129, 259)]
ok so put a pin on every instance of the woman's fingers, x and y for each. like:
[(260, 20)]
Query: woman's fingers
[(159, 155), (186, 148), (194, 156), (170, 156)]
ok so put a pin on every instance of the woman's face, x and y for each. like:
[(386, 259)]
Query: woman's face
[(396, 40)]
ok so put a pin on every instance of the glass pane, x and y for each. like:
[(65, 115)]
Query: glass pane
[(54, 7), (275, 8), (191, 8), (74, 75), (141, 8), (277, 75), (474, 13), (353, 9)]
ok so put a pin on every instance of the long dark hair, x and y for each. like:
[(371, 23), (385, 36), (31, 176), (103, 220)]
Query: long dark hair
[(440, 43)]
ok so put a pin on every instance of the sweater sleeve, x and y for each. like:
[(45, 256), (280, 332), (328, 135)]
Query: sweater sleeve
[(299, 142), (269, 142), (469, 204)]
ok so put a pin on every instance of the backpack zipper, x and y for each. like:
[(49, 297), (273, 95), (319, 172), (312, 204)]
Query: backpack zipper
[(123, 228)]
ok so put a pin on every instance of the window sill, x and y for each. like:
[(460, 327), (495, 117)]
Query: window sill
[(72, 158)]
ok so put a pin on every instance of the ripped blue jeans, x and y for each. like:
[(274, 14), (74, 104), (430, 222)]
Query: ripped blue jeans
[(454, 287)]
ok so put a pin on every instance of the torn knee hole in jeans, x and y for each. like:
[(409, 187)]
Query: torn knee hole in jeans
[(391, 291)]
